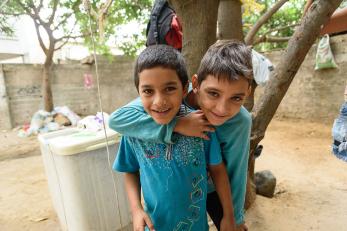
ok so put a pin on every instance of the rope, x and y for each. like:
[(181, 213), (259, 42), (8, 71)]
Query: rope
[(87, 7)]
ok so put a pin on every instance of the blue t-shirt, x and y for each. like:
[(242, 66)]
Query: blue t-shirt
[(233, 136), (173, 178)]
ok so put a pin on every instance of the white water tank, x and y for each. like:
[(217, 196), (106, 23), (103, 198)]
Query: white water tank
[(86, 193)]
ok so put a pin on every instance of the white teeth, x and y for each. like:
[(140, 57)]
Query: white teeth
[(161, 111)]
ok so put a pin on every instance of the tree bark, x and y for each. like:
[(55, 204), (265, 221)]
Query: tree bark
[(279, 82), (229, 20), (46, 87), (49, 52), (199, 20), (46, 80)]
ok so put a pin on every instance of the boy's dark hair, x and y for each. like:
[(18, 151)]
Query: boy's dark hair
[(161, 56), (228, 59)]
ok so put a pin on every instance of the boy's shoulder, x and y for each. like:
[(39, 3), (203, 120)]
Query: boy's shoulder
[(243, 117)]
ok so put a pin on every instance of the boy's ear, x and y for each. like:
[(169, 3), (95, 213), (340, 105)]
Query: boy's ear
[(249, 91), (195, 83)]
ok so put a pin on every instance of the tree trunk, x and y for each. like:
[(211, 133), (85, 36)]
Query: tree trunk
[(230, 27), (298, 46), (199, 20), (230, 20), (46, 83)]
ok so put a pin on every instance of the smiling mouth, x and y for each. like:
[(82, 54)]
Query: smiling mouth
[(162, 111), (218, 116)]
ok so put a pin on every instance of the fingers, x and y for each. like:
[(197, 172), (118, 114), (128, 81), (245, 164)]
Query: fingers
[(204, 136), (198, 112), (208, 129), (149, 223)]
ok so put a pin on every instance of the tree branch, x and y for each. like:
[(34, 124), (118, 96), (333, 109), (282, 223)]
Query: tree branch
[(40, 5), (90, 9), (71, 37), (25, 8), (12, 14), (54, 9), (61, 45), (66, 17), (280, 80), (67, 39), (42, 45), (35, 16), (270, 39), (106, 7), (263, 19), (281, 28)]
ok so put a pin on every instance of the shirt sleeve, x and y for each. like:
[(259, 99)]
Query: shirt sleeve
[(126, 160), (132, 120), (212, 150)]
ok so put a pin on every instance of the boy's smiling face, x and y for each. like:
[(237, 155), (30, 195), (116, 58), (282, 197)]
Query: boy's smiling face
[(220, 99), (161, 92)]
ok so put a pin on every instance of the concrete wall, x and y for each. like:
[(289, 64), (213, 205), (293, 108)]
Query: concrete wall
[(313, 95), (23, 87)]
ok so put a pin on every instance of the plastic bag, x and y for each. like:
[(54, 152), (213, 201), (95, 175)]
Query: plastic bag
[(324, 56), (38, 121), (262, 68), (339, 133), (94, 123)]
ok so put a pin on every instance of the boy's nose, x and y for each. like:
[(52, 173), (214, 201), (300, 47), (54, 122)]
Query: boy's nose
[(222, 107), (160, 101)]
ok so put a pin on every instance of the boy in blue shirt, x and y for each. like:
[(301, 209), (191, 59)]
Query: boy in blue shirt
[(173, 177), (219, 90)]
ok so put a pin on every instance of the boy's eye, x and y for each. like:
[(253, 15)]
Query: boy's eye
[(237, 99), (170, 89), (213, 94), (147, 91)]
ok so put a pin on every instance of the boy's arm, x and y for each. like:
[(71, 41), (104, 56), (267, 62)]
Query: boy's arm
[(239, 139), (221, 182), (140, 217), (126, 161), (132, 120)]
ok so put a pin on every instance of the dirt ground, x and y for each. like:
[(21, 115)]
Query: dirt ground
[(311, 192)]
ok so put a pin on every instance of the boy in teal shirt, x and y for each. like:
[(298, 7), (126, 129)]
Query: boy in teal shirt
[(219, 90), (173, 177)]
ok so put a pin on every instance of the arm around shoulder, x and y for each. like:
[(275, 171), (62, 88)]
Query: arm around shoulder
[(132, 120)]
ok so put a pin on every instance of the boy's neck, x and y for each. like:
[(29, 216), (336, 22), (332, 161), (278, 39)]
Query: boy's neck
[(191, 100)]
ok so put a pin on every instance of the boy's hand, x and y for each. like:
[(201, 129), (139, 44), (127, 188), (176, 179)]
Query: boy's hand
[(194, 124), (141, 220), (226, 224)]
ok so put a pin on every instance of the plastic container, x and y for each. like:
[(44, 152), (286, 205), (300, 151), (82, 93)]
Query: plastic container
[(86, 193)]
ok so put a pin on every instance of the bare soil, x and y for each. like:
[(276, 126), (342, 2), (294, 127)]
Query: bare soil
[(311, 192)]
